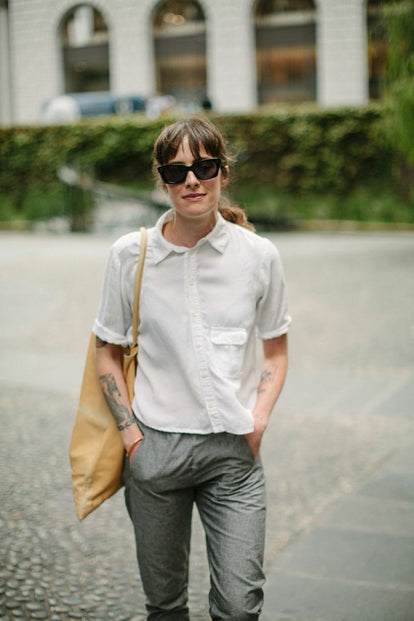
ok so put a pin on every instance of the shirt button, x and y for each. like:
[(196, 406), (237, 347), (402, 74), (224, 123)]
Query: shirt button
[(194, 313), (191, 283), (198, 344)]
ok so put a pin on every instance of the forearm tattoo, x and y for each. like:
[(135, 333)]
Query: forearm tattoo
[(113, 398), (266, 378)]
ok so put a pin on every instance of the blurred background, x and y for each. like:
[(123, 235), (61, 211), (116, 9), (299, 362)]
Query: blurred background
[(315, 98)]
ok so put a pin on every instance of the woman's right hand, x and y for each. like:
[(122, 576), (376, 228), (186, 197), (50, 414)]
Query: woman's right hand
[(133, 450)]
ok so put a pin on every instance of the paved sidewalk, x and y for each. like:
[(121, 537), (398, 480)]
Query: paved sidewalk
[(356, 563)]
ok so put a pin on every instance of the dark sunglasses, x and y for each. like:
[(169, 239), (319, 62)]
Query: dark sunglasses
[(203, 169)]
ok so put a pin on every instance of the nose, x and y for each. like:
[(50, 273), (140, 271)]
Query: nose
[(191, 179)]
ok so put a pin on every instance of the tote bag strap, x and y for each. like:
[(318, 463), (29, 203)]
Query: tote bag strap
[(137, 286)]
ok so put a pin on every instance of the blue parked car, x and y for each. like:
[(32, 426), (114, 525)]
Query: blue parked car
[(73, 107)]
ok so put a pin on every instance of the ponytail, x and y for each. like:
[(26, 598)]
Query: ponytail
[(235, 214)]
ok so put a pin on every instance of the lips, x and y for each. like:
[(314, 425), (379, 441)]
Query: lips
[(193, 197)]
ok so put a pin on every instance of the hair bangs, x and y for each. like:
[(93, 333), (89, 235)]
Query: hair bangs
[(201, 134)]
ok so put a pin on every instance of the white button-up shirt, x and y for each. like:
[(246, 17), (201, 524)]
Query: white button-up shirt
[(201, 310)]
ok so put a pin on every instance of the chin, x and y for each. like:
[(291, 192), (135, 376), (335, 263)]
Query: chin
[(197, 211)]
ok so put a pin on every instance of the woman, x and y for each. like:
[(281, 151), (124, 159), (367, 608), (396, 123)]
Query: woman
[(201, 406)]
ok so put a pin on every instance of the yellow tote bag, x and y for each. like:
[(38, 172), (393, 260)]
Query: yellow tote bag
[(96, 451)]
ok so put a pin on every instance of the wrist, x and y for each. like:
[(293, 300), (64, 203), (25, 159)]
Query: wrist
[(260, 420)]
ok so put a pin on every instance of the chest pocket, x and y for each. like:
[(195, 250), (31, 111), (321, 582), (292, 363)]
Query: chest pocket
[(228, 350)]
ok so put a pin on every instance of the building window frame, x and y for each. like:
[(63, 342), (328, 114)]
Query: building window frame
[(180, 50), (286, 52), (85, 49)]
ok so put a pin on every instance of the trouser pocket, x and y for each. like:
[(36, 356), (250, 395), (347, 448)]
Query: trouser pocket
[(162, 460)]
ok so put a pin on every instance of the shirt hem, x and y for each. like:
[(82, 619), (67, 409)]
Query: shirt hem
[(193, 431)]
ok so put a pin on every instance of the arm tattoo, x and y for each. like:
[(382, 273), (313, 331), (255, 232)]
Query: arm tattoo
[(120, 412), (100, 343), (266, 378)]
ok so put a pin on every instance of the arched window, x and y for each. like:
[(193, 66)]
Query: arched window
[(377, 47), (85, 48), (180, 50), (285, 50)]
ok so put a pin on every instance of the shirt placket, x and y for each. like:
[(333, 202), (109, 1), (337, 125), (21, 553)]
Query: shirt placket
[(199, 344)]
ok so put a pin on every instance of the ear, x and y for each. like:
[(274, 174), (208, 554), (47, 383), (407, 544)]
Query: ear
[(225, 177)]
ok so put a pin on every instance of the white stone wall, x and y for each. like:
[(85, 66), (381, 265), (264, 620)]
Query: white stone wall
[(231, 68), (231, 55), (132, 67), (30, 66), (342, 53)]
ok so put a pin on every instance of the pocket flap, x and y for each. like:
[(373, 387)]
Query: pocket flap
[(228, 337)]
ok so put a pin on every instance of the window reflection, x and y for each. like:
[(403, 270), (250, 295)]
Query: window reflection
[(285, 50), (85, 47), (180, 50)]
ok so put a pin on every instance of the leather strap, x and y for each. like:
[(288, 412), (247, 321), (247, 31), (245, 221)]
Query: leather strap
[(137, 287)]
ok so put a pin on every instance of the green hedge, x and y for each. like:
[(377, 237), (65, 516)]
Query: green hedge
[(311, 152), (31, 156), (299, 153)]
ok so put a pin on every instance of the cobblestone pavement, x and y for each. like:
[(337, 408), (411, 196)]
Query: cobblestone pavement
[(351, 347)]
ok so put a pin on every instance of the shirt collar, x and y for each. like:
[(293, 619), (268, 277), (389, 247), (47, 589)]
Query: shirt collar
[(217, 238)]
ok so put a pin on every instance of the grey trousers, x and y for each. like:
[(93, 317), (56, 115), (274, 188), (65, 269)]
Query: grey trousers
[(169, 473)]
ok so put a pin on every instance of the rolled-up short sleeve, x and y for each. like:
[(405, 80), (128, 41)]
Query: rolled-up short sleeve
[(272, 317), (113, 321)]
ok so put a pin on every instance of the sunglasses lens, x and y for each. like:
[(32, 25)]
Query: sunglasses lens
[(206, 169), (173, 173)]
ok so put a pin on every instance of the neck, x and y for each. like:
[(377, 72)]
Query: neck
[(187, 232)]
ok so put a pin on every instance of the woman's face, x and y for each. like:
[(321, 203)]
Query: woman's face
[(194, 198)]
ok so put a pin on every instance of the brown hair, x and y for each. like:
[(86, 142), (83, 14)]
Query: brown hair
[(201, 133)]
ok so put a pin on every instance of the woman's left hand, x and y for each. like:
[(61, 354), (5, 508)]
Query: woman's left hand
[(254, 438)]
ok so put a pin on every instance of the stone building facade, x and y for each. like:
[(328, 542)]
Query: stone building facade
[(31, 62)]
